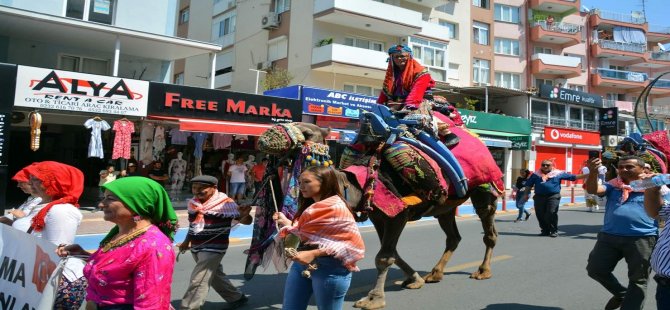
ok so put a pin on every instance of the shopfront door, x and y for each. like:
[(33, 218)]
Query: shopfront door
[(558, 154)]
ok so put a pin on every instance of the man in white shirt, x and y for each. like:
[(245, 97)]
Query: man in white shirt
[(238, 181)]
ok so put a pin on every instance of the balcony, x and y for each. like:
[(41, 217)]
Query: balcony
[(369, 16), (628, 80), (349, 60), (564, 34), (541, 120), (658, 34), (625, 106), (629, 52), (223, 80), (427, 3), (659, 59), (556, 65), (633, 19), (562, 7), (434, 31), (661, 88)]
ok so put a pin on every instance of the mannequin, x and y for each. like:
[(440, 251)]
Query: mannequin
[(250, 163), (177, 173), (225, 165)]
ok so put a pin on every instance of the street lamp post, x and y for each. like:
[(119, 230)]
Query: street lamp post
[(258, 74)]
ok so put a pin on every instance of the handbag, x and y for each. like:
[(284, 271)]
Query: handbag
[(57, 287)]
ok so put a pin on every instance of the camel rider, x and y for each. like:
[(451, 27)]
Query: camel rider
[(407, 88)]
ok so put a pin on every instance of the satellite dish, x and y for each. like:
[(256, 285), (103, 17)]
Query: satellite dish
[(661, 47), (586, 9)]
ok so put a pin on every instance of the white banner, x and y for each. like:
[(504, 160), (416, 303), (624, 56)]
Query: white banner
[(79, 92), (26, 262)]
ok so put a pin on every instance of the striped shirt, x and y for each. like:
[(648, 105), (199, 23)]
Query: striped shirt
[(215, 235), (660, 258)]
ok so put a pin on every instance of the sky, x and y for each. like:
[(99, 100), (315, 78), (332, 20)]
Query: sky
[(656, 10)]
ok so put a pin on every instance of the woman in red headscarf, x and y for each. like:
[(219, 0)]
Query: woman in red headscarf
[(20, 217)]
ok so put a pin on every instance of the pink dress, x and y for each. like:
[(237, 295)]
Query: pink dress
[(138, 273), (124, 130)]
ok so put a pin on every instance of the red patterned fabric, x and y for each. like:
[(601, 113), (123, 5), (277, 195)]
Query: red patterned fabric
[(659, 139), (475, 159), (383, 198), (63, 183), (124, 129)]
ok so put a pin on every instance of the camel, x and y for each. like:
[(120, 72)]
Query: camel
[(389, 229)]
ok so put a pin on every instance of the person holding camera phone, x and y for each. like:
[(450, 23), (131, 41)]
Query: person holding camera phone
[(593, 202)]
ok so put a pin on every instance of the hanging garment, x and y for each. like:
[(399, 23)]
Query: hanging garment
[(123, 129), (147, 143), (96, 127), (221, 141), (159, 142), (199, 138), (179, 137)]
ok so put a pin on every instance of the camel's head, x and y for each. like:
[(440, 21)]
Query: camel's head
[(283, 138)]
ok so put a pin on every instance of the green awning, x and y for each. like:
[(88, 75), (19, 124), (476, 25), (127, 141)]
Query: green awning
[(495, 133)]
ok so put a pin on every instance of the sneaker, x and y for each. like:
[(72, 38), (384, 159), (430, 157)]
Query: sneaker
[(527, 216), (553, 235), (597, 208), (544, 234), (590, 209), (614, 303), (236, 304), (517, 220)]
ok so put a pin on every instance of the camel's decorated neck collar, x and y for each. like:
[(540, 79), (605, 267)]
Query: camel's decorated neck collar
[(316, 154)]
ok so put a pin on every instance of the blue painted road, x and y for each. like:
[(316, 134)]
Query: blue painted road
[(92, 241)]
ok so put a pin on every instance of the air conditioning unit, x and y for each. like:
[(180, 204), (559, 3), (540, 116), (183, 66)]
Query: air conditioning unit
[(270, 21), (264, 65), (612, 141)]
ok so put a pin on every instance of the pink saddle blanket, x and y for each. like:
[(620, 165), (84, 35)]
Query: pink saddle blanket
[(475, 158)]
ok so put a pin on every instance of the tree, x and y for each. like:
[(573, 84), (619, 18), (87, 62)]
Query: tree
[(277, 78), (469, 104)]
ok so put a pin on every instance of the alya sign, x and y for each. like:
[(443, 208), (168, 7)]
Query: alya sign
[(202, 103), (570, 96), (79, 92), (564, 135)]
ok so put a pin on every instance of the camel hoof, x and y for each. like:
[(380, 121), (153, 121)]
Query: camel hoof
[(433, 277), (414, 282), (371, 302), (481, 274)]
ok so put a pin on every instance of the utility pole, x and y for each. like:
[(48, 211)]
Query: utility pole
[(258, 74)]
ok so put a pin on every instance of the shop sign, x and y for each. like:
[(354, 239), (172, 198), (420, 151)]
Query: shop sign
[(7, 76), (609, 121), (316, 101), (79, 92), (520, 142), (202, 103), (495, 122), (570, 96), (564, 135)]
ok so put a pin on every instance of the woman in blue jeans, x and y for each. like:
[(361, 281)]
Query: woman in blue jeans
[(329, 241), (522, 195)]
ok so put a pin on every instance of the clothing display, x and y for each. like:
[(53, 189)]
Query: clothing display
[(96, 125), (159, 141), (199, 138), (221, 141), (147, 143), (179, 137), (177, 172), (124, 130)]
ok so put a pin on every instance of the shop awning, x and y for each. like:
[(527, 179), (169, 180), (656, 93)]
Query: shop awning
[(495, 133), (497, 142), (233, 128)]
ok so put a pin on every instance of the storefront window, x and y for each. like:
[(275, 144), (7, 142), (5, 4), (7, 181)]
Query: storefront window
[(557, 114), (575, 117), (539, 114), (590, 119)]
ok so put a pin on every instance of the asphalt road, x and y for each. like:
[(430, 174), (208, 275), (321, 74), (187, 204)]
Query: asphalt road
[(529, 272)]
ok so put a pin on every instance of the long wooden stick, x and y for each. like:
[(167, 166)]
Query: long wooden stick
[(274, 201)]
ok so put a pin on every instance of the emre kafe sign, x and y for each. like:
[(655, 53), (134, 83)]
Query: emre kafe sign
[(79, 92), (570, 96), (564, 135)]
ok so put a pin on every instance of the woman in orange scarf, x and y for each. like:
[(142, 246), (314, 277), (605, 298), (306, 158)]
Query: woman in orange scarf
[(329, 236)]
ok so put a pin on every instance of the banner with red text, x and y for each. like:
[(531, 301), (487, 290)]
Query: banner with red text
[(80, 92), (26, 263)]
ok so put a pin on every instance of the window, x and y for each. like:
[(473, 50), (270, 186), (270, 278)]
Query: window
[(619, 68), (83, 64), (542, 50), (362, 89), (453, 71), (576, 87), (508, 80), (99, 11), (480, 33), (179, 78), (184, 15), (557, 113), (432, 55), (506, 46), (506, 13), (277, 49), (282, 6), (539, 113), (539, 82), (227, 25), (453, 28), (484, 4), (364, 43), (481, 71)]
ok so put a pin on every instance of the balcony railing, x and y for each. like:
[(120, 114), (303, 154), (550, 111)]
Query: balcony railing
[(662, 84), (558, 27), (558, 60), (539, 121), (609, 103), (622, 105), (622, 75), (631, 18), (622, 46), (660, 56), (659, 29)]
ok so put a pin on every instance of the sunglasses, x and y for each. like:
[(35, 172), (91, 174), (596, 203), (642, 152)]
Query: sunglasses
[(546, 165), (400, 56)]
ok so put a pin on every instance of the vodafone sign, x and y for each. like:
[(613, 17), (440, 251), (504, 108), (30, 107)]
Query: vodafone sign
[(564, 135)]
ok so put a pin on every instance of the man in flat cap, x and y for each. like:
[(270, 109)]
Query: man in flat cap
[(211, 214)]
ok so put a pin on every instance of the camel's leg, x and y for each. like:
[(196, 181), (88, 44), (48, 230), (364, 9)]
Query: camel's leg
[(412, 280), (448, 224), (390, 233), (486, 210)]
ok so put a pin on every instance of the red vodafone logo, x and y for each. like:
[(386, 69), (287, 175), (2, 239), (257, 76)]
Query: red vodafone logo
[(564, 135)]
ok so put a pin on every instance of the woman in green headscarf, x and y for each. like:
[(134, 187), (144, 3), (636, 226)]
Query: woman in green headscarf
[(133, 267)]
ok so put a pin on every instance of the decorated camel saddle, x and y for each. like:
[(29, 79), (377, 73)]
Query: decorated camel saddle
[(433, 170), (653, 148)]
